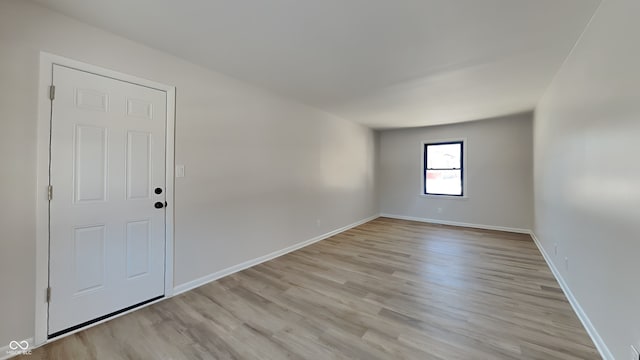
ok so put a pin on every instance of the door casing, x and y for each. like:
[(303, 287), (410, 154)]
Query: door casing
[(43, 162)]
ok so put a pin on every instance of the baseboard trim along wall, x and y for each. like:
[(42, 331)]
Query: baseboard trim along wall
[(456, 223), (7, 352), (247, 264), (577, 309), (591, 330)]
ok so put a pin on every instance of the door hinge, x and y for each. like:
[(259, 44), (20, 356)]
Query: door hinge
[(49, 294), (52, 92), (50, 192)]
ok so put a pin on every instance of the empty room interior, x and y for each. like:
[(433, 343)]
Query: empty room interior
[(320, 179)]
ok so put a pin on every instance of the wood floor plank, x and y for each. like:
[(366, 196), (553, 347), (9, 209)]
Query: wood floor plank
[(388, 289)]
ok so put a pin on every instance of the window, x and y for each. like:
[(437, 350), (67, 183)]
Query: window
[(443, 168)]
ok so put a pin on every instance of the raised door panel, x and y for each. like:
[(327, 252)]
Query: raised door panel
[(138, 248), (138, 165), (89, 258), (90, 164)]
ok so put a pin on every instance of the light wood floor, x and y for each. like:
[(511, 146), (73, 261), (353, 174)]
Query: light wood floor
[(389, 289)]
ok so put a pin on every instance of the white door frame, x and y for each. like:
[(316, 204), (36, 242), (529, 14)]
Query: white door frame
[(42, 202)]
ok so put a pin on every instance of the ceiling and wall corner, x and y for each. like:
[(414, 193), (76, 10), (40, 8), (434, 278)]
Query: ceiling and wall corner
[(385, 64)]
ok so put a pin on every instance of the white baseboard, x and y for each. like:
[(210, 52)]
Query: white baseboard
[(247, 264), (577, 309), (456, 223), (4, 354), (591, 330), (593, 333), (6, 351)]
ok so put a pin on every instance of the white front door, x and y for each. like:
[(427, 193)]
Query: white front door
[(107, 229)]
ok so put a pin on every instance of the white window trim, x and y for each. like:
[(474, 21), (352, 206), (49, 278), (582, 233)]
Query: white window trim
[(465, 172)]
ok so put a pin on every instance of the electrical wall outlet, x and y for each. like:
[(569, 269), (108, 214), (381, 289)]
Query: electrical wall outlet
[(566, 263), (635, 355), (318, 223), (439, 210)]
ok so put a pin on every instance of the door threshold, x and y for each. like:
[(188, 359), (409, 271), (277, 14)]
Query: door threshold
[(101, 318)]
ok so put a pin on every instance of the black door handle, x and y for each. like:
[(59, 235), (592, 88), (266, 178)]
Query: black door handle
[(158, 205)]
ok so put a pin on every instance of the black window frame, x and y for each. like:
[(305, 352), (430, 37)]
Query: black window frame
[(425, 169)]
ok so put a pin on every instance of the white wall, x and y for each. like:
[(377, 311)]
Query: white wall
[(498, 167), (587, 175), (260, 170)]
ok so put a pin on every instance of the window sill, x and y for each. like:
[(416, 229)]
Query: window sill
[(447, 197)]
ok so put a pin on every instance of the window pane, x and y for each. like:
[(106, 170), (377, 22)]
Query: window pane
[(445, 156), (443, 182)]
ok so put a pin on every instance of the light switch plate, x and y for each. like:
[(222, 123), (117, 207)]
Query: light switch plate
[(179, 171)]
